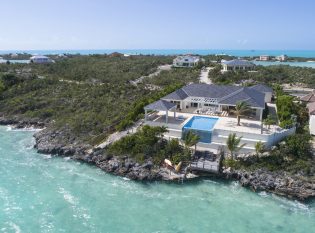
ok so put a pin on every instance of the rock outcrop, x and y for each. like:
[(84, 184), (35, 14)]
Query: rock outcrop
[(281, 183)]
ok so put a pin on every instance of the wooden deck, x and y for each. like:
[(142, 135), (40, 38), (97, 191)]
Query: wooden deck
[(206, 166)]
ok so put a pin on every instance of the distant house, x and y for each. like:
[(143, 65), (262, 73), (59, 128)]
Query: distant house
[(237, 64), (264, 58), (282, 58), (40, 59), (2, 60), (311, 110), (264, 89), (186, 61)]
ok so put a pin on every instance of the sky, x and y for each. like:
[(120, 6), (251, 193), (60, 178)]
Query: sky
[(157, 24)]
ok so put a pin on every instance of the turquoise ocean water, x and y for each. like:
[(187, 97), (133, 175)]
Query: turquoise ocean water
[(292, 53), (40, 193)]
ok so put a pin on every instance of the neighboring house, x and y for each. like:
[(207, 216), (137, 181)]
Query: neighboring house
[(311, 110), (186, 61), (40, 59), (237, 64), (309, 98), (264, 58), (218, 97), (282, 58), (264, 89)]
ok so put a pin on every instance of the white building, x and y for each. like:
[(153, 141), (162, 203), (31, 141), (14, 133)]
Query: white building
[(39, 59), (311, 110), (264, 58), (186, 61), (282, 58), (237, 64)]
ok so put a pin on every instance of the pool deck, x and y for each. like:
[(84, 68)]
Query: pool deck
[(223, 123)]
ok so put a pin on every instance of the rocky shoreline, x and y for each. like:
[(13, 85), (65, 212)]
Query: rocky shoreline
[(281, 183), (52, 142)]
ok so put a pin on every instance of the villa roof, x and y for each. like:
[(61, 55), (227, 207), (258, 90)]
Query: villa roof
[(309, 97), (209, 91), (160, 105), (225, 94), (177, 95), (252, 97), (238, 62), (261, 87)]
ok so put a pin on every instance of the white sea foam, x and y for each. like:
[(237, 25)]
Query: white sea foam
[(15, 227)]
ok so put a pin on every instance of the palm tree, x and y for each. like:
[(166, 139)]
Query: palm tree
[(259, 147), (241, 109), (191, 139), (269, 121), (233, 144)]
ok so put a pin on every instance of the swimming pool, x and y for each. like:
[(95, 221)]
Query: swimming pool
[(202, 126)]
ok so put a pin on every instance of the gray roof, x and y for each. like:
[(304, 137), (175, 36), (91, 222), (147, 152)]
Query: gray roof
[(179, 94), (238, 62), (202, 90), (262, 88), (209, 91), (252, 97), (226, 94), (160, 105)]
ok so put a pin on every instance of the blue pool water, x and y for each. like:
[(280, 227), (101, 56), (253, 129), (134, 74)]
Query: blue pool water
[(202, 126), (201, 123)]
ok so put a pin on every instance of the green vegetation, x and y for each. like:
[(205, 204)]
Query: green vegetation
[(267, 74), (148, 143), (191, 139), (291, 112), (233, 144), (269, 120), (292, 155), (86, 97), (259, 147)]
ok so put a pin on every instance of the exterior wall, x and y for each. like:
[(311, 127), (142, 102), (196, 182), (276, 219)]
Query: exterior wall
[(268, 96), (228, 68), (185, 61), (312, 124), (264, 58)]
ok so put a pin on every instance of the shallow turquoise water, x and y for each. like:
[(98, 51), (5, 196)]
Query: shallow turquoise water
[(298, 64), (233, 52), (43, 194)]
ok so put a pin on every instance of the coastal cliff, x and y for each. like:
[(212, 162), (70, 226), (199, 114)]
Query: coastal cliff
[(60, 143)]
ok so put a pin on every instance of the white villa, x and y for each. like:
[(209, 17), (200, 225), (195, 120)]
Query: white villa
[(208, 110), (40, 59), (264, 58), (237, 64), (186, 61), (311, 110), (282, 58)]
